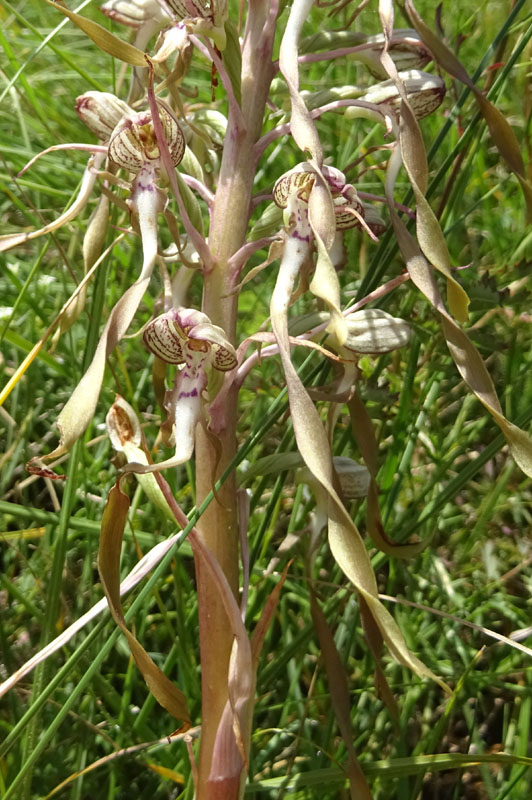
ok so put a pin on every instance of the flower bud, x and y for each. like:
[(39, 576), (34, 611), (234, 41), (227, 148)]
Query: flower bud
[(425, 93), (133, 13), (134, 144), (374, 331), (354, 478), (101, 112), (406, 50)]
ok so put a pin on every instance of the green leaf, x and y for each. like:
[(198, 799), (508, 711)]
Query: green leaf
[(104, 39)]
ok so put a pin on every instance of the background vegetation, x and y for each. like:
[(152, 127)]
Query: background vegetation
[(445, 474)]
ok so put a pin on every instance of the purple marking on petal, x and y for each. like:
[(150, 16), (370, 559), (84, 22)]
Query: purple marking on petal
[(296, 235), (192, 393)]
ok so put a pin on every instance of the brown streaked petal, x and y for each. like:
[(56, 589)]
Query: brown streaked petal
[(162, 339)]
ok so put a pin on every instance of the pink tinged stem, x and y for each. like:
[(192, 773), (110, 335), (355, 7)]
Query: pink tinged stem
[(210, 53)]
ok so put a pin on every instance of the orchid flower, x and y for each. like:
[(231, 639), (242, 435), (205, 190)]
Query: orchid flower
[(207, 17), (184, 336), (292, 193), (406, 49), (370, 331), (425, 93)]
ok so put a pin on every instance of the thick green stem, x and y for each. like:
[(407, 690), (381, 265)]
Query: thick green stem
[(218, 525)]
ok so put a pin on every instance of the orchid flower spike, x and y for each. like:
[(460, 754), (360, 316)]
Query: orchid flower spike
[(184, 336)]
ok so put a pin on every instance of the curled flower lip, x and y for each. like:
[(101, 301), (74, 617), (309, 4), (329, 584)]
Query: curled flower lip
[(298, 182), (133, 142), (182, 332)]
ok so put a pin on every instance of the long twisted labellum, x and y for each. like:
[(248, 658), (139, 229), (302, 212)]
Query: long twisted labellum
[(113, 524)]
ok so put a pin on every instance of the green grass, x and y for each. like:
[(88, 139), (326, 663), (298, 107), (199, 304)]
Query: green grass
[(445, 474)]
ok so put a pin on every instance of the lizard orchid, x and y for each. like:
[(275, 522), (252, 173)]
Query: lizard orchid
[(186, 337)]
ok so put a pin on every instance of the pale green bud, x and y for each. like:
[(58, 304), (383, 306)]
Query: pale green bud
[(425, 93), (101, 112), (374, 331), (134, 13)]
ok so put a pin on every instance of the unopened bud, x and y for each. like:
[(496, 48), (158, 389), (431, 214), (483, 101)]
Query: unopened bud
[(354, 478), (101, 112), (134, 144), (374, 331), (425, 93), (406, 49), (134, 13)]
